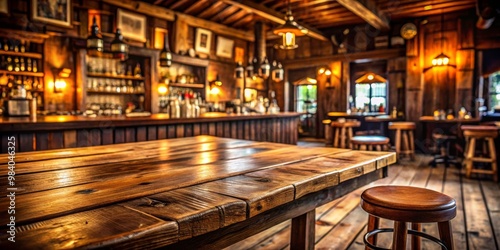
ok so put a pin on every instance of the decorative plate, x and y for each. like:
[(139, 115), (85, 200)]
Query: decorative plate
[(408, 31)]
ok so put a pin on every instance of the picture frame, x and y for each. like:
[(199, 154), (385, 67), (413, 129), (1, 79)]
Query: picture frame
[(4, 7), (224, 47), (203, 41), (52, 12), (132, 25)]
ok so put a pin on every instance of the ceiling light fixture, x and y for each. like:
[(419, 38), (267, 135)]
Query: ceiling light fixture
[(289, 30)]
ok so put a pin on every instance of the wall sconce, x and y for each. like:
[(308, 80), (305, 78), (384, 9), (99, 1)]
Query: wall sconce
[(214, 86), (59, 82)]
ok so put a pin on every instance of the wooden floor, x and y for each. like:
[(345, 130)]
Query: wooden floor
[(342, 223)]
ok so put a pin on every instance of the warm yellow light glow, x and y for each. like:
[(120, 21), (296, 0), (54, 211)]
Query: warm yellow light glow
[(446, 61), (289, 39), (434, 62), (309, 86), (321, 71), (439, 61), (59, 85), (215, 90), (428, 7), (311, 80), (370, 77), (328, 72), (162, 89)]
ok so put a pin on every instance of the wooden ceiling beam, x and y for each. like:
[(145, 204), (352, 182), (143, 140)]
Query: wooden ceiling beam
[(200, 4), (235, 17), (271, 15), (170, 15), (368, 11), (144, 8), (178, 4), (210, 11)]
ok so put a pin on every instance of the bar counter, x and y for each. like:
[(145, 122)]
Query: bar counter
[(55, 132)]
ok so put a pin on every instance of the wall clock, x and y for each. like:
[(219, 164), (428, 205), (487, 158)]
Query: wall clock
[(408, 31)]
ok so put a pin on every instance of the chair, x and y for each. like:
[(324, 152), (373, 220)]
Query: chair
[(379, 143), (343, 132), (487, 134), (403, 205), (404, 131), (442, 155)]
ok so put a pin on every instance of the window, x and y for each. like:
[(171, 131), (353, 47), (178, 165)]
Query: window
[(494, 90), (306, 98), (371, 96)]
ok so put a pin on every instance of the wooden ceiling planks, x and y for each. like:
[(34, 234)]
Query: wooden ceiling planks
[(313, 14)]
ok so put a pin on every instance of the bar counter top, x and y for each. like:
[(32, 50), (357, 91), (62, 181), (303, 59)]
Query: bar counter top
[(53, 122)]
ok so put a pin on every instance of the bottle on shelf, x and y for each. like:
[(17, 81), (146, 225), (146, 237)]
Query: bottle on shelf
[(129, 70), (5, 45), (394, 113), (17, 66), (22, 48), (22, 65), (28, 65), (10, 64), (35, 68), (137, 70)]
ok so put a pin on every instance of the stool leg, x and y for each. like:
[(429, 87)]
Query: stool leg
[(399, 236), (373, 223), (470, 155), (349, 135), (379, 148), (406, 142), (412, 145), (398, 142), (337, 138), (445, 234), (493, 156), (342, 137), (415, 240)]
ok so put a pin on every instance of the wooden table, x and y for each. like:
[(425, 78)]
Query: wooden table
[(186, 193)]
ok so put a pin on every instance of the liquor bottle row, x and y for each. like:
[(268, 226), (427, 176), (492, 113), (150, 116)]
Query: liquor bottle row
[(19, 64), (181, 103), (7, 44), (94, 109), (115, 85), (114, 67)]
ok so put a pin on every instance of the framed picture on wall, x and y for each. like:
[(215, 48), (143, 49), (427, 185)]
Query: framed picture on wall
[(52, 12), (203, 41), (4, 7), (132, 26), (224, 47)]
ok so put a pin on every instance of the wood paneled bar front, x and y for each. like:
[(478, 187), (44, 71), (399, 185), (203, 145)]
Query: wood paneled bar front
[(57, 132)]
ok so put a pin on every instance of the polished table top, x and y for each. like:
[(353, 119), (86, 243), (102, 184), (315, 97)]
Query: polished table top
[(156, 193)]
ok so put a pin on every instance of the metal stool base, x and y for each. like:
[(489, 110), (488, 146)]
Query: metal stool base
[(391, 230)]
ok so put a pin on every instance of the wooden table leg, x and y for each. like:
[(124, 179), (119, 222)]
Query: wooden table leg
[(302, 236)]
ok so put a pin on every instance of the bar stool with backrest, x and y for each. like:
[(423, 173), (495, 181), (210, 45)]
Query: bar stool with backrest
[(403, 205), (404, 132), (473, 134), (370, 142), (343, 132)]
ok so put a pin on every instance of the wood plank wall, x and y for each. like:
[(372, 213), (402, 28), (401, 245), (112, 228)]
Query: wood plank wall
[(279, 130)]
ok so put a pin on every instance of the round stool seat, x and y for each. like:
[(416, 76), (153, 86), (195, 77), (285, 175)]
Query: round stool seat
[(480, 131), (352, 124), (402, 125), (408, 204), (327, 121), (370, 140)]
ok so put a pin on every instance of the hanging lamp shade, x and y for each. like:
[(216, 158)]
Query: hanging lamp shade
[(370, 78), (289, 30), (95, 44), (118, 47)]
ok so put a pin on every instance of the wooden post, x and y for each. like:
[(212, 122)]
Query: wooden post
[(302, 236)]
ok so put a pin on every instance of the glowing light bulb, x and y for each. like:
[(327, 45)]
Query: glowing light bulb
[(370, 77), (439, 61), (446, 60), (328, 72), (434, 62)]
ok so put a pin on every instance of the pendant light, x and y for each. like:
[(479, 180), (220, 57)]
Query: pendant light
[(118, 47), (278, 72), (95, 44), (289, 30), (265, 68), (441, 59), (165, 54)]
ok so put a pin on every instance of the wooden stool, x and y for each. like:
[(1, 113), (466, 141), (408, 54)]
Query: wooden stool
[(373, 142), (343, 132), (328, 132), (404, 131), (403, 205), (487, 134)]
